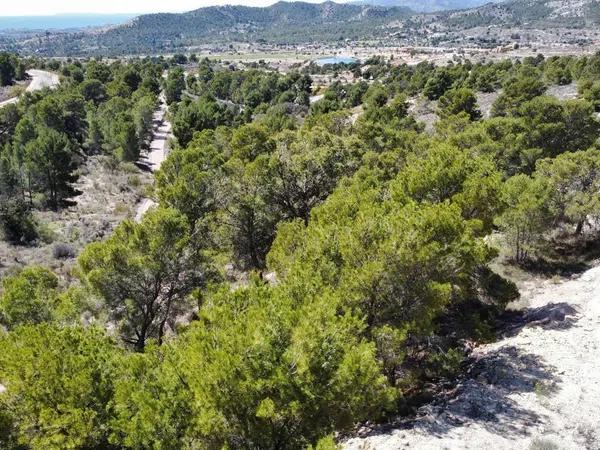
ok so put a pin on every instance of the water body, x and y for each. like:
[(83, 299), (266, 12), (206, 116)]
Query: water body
[(62, 21), (335, 60)]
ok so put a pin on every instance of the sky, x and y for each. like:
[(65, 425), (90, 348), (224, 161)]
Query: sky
[(50, 7)]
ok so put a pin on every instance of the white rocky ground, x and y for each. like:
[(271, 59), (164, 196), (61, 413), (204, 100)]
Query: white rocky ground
[(537, 388)]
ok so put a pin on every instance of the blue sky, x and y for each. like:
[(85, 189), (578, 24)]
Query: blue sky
[(49, 7)]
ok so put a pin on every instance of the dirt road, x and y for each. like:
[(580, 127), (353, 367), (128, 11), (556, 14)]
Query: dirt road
[(40, 79), (159, 149), (537, 388)]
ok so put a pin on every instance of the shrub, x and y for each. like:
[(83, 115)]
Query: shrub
[(17, 223), (28, 297), (63, 251)]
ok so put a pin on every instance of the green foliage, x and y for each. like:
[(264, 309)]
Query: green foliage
[(186, 180), (556, 127), (50, 159), (558, 71), (438, 84), (526, 217), (326, 443), (542, 127), (96, 70), (57, 386), (304, 170), (516, 91), (591, 92), (447, 173), (9, 118), (16, 222), (28, 297), (143, 115), (249, 219), (294, 372), (93, 90), (372, 231), (366, 248), (250, 141), (151, 404), (7, 69), (43, 138), (174, 85), (445, 364), (496, 289), (145, 273), (456, 101), (202, 114), (574, 183)]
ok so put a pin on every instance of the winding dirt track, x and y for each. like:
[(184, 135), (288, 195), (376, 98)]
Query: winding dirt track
[(40, 79), (159, 149), (537, 387)]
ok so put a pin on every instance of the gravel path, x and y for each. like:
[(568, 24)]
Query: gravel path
[(159, 149), (537, 388)]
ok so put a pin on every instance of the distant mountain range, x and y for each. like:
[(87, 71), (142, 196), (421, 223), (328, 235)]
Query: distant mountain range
[(282, 22), (299, 22)]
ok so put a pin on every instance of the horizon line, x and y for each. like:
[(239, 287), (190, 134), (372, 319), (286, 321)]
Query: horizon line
[(116, 13)]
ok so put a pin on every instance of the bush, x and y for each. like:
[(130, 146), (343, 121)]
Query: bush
[(46, 233), (63, 251), (495, 288), (28, 297), (129, 167), (17, 223)]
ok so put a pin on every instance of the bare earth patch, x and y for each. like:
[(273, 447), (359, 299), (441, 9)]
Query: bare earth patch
[(563, 92), (485, 100), (423, 110)]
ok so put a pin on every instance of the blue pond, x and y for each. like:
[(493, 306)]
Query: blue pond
[(335, 60)]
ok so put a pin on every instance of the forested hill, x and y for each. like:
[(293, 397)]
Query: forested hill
[(300, 23), (428, 5), (529, 13), (281, 22)]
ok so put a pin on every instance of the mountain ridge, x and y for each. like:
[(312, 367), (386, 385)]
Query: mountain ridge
[(427, 6), (282, 22), (295, 23)]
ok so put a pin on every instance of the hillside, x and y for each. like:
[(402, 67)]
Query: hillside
[(488, 25), (283, 22), (529, 14), (428, 5), (528, 23)]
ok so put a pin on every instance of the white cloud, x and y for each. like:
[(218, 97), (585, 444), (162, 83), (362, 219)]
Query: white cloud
[(49, 7)]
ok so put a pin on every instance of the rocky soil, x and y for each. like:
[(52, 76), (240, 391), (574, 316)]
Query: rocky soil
[(536, 388)]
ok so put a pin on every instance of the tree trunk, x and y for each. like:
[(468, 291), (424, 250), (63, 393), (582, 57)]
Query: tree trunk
[(579, 228)]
